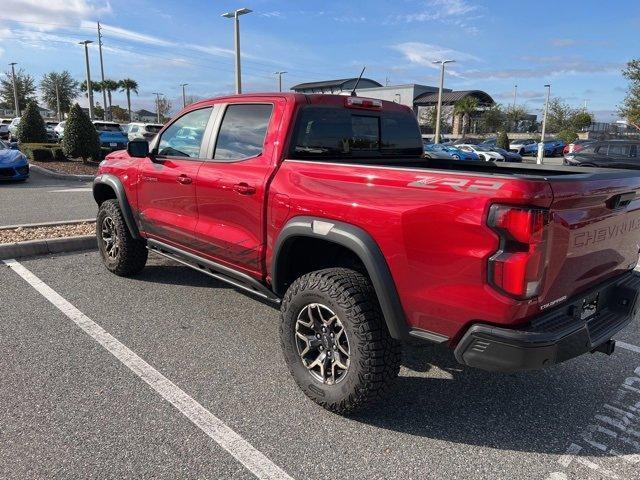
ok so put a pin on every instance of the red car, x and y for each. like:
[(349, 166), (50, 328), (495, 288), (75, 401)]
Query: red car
[(324, 207)]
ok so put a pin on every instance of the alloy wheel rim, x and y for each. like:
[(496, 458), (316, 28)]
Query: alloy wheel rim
[(322, 343), (110, 238)]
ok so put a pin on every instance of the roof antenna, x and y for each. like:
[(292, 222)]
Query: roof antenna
[(353, 92)]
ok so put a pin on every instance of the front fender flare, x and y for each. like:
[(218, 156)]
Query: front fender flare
[(115, 184)]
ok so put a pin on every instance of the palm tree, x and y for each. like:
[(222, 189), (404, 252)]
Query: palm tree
[(95, 87), (128, 85), (109, 86), (464, 108)]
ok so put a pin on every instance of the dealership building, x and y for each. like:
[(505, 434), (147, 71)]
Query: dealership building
[(422, 99)]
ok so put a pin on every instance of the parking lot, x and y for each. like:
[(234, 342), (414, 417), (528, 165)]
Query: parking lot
[(76, 405)]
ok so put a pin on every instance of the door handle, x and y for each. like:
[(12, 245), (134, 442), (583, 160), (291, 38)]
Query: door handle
[(184, 179), (244, 188)]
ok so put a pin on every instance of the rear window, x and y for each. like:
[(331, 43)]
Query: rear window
[(330, 132), (619, 150), (107, 127)]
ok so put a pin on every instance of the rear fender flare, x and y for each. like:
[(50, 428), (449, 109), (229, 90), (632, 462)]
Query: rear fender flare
[(115, 184), (359, 242)]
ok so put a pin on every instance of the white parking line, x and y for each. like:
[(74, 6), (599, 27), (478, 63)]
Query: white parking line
[(64, 190), (627, 346), (254, 460)]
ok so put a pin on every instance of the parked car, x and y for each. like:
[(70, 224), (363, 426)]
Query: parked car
[(609, 153), (483, 152), (14, 164), (471, 256), (50, 126), (551, 148), (450, 150), (520, 146), (143, 131), (4, 128), (508, 156), (576, 146), (13, 128), (490, 142), (111, 136), (59, 129)]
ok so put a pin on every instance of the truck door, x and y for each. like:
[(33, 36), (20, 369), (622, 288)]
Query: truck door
[(232, 182), (167, 184)]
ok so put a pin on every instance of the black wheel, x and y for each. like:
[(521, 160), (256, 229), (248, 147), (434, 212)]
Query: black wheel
[(456, 156), (121, 253), (335, 340), (521, 152)]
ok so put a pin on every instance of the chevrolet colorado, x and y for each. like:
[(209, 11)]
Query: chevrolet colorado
[(324, 206)]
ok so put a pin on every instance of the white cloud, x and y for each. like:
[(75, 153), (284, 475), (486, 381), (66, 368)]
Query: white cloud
[(425, 54), (122, 33), (211, 50), (48, 15), (563, 42), (1, 52), (274, 14), (441, 10)]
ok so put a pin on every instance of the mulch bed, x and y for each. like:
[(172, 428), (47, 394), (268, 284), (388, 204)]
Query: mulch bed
[(22, 234), (74, 167)]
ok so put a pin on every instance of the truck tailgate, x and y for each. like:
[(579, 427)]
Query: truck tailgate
[(595, 231)]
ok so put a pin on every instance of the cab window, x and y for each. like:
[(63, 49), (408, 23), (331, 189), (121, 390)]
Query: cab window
[(242, 132), (183, 138)]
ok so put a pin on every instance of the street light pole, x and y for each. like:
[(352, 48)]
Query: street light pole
[(515, 95), (279, 79), (58, 102), (439, 107), (157, 105), (15, 89), (104, 91), (235, 15), (544, 126), (184, 95), (89, 87)]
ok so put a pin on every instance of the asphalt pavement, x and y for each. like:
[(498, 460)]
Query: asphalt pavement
[(45, 199), (70, 408)]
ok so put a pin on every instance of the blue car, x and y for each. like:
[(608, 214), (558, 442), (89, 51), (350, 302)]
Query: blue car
[(14, 165), (551, 148), (111, 135), (452, 151)]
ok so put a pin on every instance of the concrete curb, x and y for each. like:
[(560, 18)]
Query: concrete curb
[(31, 248), (47, 224), (60, 176)]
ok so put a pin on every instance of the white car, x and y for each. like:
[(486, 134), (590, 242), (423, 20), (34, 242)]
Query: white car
[(4, 128), (484, 153), (143, 131), (519, 146), (13, 127), (59, 129)]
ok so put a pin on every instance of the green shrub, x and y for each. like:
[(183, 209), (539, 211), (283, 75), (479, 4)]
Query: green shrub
[(568, 135), (503, 140), (31, 127), (81, 139), (43, 152)]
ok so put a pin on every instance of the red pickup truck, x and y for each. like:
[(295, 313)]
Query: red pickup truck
[(324, 206)]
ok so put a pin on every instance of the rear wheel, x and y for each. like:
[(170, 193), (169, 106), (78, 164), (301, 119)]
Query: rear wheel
[(121, 253), (456, 156), (335, 341)]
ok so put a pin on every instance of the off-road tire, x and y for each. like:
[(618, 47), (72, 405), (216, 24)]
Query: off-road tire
[(375, 356), (132, 253)]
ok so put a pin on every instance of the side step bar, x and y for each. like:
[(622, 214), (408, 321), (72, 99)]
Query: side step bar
[(219, 272)]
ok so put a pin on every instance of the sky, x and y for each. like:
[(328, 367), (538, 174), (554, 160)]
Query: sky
[(579, 47)]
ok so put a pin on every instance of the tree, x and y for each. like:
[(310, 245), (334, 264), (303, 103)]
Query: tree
[(493, 118), (119, 114), (581, 120), (80, 139), (630, 108), (26, 90), (514, 114), (129, 85), (67, 90), (562, 117), (31, 128), (109, 86), (464, 108), (164, 107), (568, 135), (503, 140)]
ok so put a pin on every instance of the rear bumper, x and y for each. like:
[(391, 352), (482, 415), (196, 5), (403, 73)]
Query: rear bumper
[(555, 336)]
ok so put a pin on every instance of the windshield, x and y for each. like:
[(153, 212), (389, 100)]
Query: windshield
[(329, 132), (482, 148), (107, 127)]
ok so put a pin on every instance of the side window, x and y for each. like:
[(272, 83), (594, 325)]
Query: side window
[(242, 132), (602, 149), (183, 137), (634, 151), (621, 150)]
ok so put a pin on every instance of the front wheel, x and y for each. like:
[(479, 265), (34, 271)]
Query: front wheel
[(456, 157), (335, 341), (121, 253)]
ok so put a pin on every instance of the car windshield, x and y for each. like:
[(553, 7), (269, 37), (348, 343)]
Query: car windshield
[(107, 127), (482, 148)]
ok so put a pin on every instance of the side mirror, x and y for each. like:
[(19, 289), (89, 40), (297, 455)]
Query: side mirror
[(138, 148)]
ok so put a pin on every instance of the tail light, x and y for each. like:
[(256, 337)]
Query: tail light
[(518, 267)]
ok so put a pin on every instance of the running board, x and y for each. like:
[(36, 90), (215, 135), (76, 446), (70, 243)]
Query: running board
[(219, 272)]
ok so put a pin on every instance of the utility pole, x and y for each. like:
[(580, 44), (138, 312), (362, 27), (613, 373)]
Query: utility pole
[(439, 107), (58, 102), (89, 86), (515, 95), (104, 92), (544, 126), (157, 105), (184, 95), (279, 79), (235, 15), (15, 89)]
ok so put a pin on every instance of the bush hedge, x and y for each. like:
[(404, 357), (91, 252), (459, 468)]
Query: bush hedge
[(503, 141), (80, 139), (31, 127), (43, 152)]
